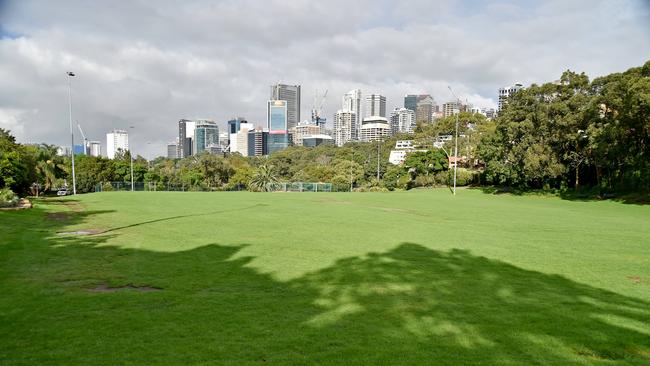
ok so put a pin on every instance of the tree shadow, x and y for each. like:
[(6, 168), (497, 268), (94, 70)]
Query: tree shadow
[(409, 305), (586, 195)]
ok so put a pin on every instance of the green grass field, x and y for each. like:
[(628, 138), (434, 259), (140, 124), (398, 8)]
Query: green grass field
[(418, 277)]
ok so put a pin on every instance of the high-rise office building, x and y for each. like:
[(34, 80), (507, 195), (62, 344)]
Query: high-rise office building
[(172, 150), (258, 142), (505, 93), (185, 137), (425, 106), (116, 140), (352, 102), (375, 105), (402, 120), (277, 122), (206, 135), (235, 123), (411, 102), (94, 148), (344, 124), (422, 105), (290, 94), (276, 116)]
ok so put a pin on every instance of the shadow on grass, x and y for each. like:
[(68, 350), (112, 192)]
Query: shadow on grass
[(409, 305), (185, 216), (587, 195)]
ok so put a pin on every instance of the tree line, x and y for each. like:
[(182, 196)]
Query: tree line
[(574, 133), (570, 134)]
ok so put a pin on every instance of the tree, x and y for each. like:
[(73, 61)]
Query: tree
[(17, 164), (263, 177)]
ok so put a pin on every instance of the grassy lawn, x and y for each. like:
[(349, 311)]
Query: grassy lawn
[(239, 278)]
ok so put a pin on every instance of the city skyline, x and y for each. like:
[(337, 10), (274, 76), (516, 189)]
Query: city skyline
[(138, 71)]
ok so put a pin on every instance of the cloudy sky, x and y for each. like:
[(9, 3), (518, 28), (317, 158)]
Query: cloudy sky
[(149, 63)]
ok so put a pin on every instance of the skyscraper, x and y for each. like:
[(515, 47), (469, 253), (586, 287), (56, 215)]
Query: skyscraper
[(206, 135), (116, 140), (402, 120), (277, 122), (290, 94), (375, 105), (185, 137), (344, 123), (411, 102), (172, 150), (258, 142), (352, 102), (425, 106)]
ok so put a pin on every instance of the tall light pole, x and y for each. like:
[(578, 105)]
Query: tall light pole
[(456, 147), (131, 158), (74, 178)]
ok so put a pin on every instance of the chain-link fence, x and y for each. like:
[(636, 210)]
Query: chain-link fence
[(300, 187), (160, 186), (273, 187)]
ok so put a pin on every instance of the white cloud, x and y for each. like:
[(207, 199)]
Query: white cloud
[(148, 64)]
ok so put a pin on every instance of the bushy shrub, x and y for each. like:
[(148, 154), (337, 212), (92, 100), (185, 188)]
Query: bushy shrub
[(8, 198), (465, 177), (107, 187), (371, 189)]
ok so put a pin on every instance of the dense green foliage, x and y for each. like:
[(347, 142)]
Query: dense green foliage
[(574, 132), (8, 198), (415, 278)]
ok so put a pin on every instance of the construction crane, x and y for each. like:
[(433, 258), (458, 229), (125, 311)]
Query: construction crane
[(317, 109), (85, 139)]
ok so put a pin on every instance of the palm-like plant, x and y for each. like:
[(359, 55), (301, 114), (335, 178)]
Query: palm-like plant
[(47, 165), (262, 178), (47, 171)]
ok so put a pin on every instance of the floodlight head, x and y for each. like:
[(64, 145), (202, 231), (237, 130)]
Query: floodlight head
[(70, 73)]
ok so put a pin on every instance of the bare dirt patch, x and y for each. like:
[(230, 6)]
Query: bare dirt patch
[(58, 216), (635, 279), (72, 205), (128, 287), (81, 232)]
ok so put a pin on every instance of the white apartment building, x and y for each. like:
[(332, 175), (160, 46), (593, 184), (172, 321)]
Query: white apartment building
[(352, 102), (506, 92), (94, 148), (374, 128), (450, 108), (344, 124), (116, 140), (239, 140), (402, 120), (304, 128)]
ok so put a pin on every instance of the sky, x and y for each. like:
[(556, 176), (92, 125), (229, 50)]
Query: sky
[(147, 64)]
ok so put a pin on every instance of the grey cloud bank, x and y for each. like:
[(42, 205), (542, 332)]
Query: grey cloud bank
[(148, 64)]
